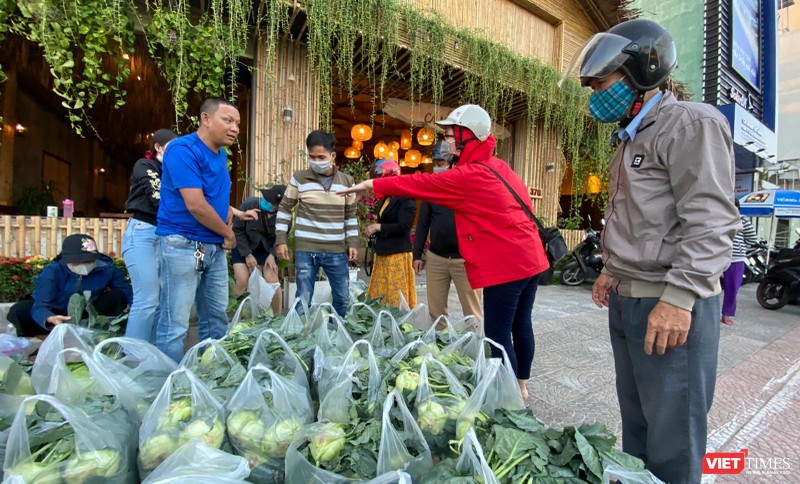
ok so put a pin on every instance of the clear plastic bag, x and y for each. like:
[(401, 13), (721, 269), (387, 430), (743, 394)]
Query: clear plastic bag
[(360, 321), (295, 324), (246, 316), (62, 336), (386, 337), (299, 467), (218, 370), (494, 391), (136, 366), (505, 372), (274, 353), (184, 409), (52, 442), (196, 462), (331, 337), (352, 390), (438, 402), (402, 446), (472, 461), (264, 415), (418, 317), (261, 291), (460, 357)]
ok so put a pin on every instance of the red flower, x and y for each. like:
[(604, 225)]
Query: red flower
[(15, 277), (112, 254), (27, 267)]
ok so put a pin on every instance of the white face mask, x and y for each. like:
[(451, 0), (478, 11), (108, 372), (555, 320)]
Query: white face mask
[(160, 157), (320, 167), (439, 169), (82, 269)]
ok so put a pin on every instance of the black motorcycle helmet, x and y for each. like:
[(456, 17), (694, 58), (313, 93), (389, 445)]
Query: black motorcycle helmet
[(441, 151), (642, 49)]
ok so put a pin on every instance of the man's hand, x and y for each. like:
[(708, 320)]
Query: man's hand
[(271, 265), (55, 319), (251, 261), (667, 327), (359, 188), (282, 251), (372, 229), (229, 242), (251, 214), (601, 289), (231, 214), (417, 266), (352, 254)]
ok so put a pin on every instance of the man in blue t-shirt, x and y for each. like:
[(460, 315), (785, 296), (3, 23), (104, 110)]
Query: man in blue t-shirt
[(194, 225)]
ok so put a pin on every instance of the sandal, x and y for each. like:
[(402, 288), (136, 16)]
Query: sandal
[(727, 320)]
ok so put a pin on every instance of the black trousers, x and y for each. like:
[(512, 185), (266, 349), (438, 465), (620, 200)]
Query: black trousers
[(110, 303)]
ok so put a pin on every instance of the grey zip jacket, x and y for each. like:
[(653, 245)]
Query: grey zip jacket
[(671, 218)]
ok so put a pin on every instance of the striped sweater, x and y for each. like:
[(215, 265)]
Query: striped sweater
[(744, 239), (324, 221)]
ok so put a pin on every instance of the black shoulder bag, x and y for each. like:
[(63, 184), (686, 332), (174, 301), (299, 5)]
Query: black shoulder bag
[(552, 240)]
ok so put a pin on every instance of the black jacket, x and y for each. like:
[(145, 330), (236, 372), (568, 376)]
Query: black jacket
[(145, 191), (440, 222), (396, 222), (251, 234)]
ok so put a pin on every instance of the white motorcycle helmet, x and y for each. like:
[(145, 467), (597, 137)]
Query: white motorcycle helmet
[(472, 117)]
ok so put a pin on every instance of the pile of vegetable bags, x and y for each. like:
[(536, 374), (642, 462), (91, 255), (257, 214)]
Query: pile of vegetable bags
[(378, 396)]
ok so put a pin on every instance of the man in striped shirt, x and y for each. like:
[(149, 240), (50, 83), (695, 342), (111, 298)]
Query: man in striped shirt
[(326, 229)]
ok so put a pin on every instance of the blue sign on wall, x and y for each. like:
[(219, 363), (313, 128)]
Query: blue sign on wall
[(746, 42)]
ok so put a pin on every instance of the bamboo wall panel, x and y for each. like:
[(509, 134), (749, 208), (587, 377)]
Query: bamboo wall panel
[(31, 236), (279, 146), (572, 237), (515, 25), (532, 155)]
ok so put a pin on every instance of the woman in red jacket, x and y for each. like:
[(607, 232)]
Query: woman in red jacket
[(499, 242)]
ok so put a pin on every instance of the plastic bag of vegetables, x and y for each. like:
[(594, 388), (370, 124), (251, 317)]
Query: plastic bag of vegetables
[(331, 336), (62, 336), (196, 462), (386, 337), (264, 415), (437, 403), (338, 454), (352, 390), (294, 324), (273, 352), (470, 466), (498, 389), (185, 409), (137, 367), (402, 446), (51, 442), (80, 380), (217, 369)]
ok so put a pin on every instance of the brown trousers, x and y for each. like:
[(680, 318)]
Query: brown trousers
[(439, 271)]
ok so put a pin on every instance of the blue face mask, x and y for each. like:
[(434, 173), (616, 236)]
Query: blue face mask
[(610, 105), (266, 206)]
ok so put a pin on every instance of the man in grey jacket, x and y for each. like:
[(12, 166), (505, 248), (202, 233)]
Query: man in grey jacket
[(670, 223)]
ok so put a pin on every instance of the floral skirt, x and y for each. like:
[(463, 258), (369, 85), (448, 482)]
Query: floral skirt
[(391, 276)]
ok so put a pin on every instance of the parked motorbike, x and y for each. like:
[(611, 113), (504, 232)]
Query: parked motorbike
[(586, 261), (781, 284), (756, 264)]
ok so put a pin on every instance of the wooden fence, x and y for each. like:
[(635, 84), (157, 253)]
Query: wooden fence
[(28, 236), (572, 237)]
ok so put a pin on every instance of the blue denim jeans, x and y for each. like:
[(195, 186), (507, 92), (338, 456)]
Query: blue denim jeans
[(335, 267), (182, 285), (140, 252)]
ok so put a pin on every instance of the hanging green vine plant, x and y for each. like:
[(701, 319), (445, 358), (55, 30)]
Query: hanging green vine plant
[(6, 10), (194, 56), (80, 38), (274, 22)]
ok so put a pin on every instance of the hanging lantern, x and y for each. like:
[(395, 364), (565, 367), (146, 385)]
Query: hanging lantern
[(392, 155), (394, 145), (425, 137), (361, 132), (352, 153), (594, 184), (405, 139), (403, 163), (381, 151), (412, 158), (427, 160), (359, 145)]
